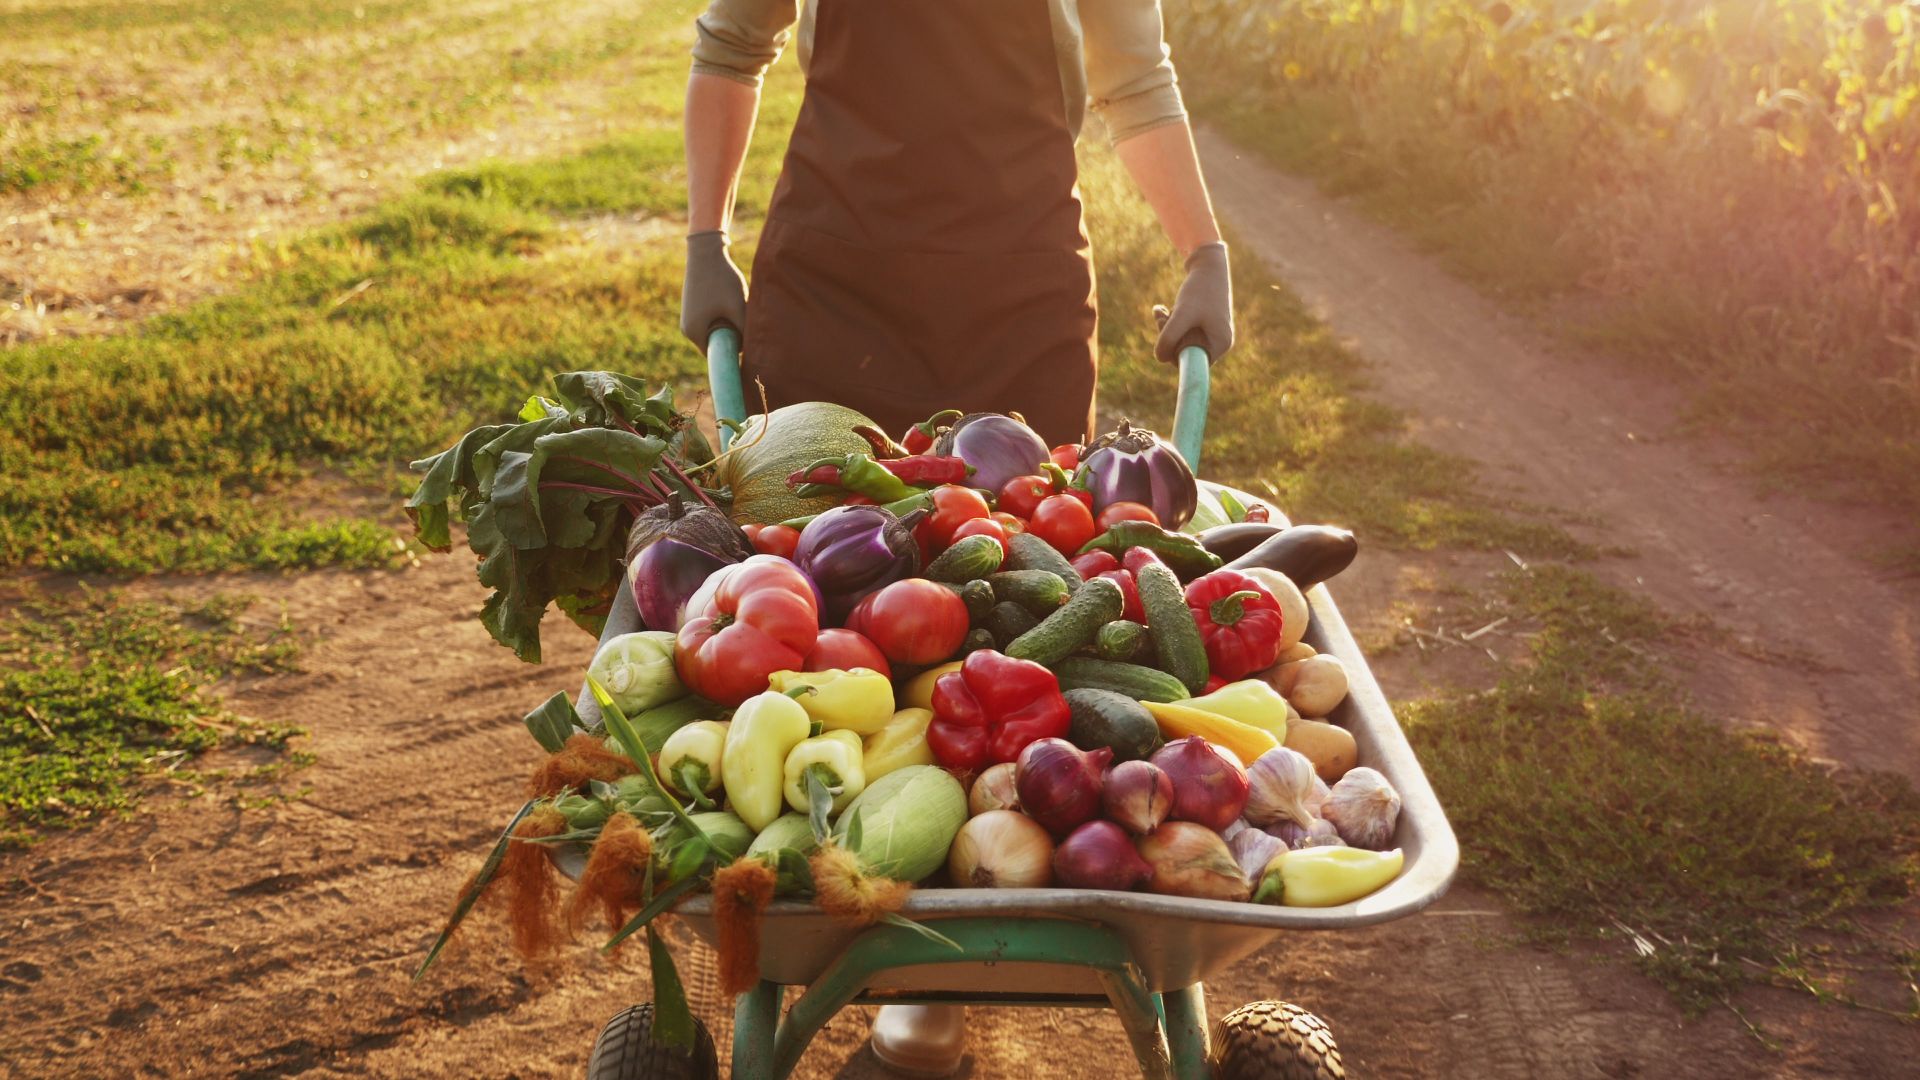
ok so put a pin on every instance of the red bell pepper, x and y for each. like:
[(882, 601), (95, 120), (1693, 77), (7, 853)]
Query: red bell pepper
[(761, 619), (989, 710), (1239, 622)]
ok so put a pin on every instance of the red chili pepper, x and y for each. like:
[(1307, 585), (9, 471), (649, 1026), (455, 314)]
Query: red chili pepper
[(1258, 512), (1129, 592), (1136, 557), (920, 436), (928, 470), (1095, 563), (1239, 621), (989, 710)]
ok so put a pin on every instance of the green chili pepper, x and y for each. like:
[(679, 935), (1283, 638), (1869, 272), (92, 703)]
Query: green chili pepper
[(1183, 554)]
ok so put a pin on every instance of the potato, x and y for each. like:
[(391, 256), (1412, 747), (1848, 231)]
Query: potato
[(1294, 613), (1314, 686), (1328, 746), (1300, 651)]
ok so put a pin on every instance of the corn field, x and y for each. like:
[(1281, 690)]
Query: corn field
[(1759, 158)]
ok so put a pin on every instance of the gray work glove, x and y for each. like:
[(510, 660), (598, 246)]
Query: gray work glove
[(714, 292), (1203, 313)]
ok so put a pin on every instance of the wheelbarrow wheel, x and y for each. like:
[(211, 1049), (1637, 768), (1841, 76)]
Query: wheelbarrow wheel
[(1274, 1040), (625, 1051)]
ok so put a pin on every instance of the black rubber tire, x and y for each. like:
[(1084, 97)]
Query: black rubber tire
[(1274, 1040), (625, 1051)]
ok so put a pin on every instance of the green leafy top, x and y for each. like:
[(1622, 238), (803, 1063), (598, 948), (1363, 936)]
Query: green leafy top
[(547, 501)]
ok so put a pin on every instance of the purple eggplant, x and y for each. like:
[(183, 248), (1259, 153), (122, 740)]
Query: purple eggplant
[(1136, 465), (850, 551), (998, 447)]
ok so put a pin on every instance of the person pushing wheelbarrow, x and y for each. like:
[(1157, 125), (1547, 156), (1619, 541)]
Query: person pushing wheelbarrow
[(925, 247)]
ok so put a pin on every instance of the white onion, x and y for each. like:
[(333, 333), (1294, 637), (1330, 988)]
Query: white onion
[(1001, 849)]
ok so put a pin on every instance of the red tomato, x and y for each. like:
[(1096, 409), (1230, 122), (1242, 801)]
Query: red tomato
[(1063, 521), (773, 539), (1009, 523), (1067, 456), (914, 621), (985, 526), (952, 505), (1125, 511), (1022, 493), (760, 620), (842, 649), (1095, 563)]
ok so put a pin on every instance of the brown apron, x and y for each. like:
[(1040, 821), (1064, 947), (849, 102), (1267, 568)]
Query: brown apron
[(924, 248)]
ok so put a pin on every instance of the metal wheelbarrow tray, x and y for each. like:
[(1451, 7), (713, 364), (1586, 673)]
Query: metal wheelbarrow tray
[(1142, 954)]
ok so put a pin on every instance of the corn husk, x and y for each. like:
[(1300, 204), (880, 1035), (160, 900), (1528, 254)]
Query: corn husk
[(906, 822)]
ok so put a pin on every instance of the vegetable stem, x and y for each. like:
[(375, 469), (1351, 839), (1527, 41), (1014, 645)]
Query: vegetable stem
[(645, 498), (687, 482)]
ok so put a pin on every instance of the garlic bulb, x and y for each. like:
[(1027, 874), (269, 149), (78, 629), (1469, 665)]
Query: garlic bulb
[(1317, 833), (1278, 785), (1252, 849), (1316, 798), (1364, 808)]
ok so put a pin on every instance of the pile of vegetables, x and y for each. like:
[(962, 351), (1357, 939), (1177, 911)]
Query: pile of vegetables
[(965, 659)]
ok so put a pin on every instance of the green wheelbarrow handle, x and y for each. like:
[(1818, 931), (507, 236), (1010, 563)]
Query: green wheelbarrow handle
[(1189, 410)]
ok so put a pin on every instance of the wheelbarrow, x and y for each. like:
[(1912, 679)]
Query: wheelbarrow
[(1144, 956)]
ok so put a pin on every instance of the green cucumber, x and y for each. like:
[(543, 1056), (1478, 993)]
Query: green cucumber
[(978, 596), (1008, 621), (1113, 720), (1133, 680), (1057, 637), (1122, 640), (1176, 636), (1026, 551), (968, 558), (1039, 591)]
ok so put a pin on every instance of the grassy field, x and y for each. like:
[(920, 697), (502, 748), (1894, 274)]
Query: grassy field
[(1721, 190), (268, 427)]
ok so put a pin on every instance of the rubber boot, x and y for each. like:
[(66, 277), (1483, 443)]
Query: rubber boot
[(920, 1040)]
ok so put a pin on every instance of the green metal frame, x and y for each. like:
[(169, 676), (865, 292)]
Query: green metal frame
[(1168, 1031)]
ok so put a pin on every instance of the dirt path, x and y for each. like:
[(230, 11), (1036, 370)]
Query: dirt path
[(1821, 647)]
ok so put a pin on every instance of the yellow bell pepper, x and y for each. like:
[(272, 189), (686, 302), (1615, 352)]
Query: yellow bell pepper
[(1179, 721), (765, 729), (1250, 701), (690, 759), (834, 757), (901, 743), (1326, 876), (919, 691), (859, 700)]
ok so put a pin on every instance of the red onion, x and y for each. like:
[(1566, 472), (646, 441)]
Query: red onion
[(1139, 796), (1099, 855), (1059, 783), (1208, 786)]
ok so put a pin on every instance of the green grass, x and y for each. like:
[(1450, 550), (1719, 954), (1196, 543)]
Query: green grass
[(1587, 792), (100, 694), (1714, 281)]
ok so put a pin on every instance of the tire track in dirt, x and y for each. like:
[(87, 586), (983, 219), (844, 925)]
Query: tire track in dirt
[(1821, 648)]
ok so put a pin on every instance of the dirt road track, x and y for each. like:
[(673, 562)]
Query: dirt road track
[(1824, 649)]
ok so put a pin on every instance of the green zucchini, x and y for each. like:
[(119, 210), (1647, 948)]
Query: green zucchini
[(968, 558), (1026, 551), (1113, 720), (1039, 591), (978, 596), (1133, 680), (1176, 636), (1008, 621), (1122, 640), (1057, 637)]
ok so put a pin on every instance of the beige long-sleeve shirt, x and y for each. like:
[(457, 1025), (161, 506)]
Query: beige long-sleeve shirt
[(1113, 54)]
